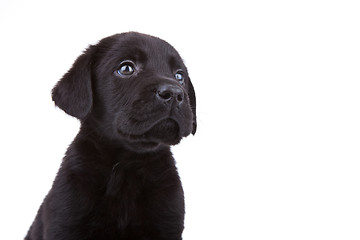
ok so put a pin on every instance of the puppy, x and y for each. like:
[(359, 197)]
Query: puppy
[(118, 180)]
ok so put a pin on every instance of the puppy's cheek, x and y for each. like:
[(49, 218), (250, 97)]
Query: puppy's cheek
[(186, 119), (122, 123)]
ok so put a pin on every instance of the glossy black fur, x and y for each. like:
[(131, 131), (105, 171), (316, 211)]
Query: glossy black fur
[(118, 179)]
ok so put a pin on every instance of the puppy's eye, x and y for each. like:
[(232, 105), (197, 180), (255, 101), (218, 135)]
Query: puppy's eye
[(126, 68), (179, 75)]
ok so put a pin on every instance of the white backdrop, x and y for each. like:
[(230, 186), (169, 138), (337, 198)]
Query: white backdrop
[(276, 155)]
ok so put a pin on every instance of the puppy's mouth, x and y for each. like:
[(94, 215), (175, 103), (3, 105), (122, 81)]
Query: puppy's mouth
[(166, 131)]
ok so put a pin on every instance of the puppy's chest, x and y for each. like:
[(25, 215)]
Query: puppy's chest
[(133, 175), (131, 187), (126, 179), (131, 184)]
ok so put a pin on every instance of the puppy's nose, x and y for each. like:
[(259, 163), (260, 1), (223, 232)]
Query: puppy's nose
[(169, 93)]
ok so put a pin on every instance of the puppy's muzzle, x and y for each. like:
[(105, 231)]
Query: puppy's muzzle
[(170, 94)]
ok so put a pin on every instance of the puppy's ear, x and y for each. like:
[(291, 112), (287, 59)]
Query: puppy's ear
[(73, 93), (192, 99)]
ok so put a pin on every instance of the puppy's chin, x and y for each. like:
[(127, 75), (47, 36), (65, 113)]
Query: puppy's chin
[(164, 132), (142, 146)]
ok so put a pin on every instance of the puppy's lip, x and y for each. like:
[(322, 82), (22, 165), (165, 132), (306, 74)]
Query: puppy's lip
[(139, 141), (140, 131), (165, 130)]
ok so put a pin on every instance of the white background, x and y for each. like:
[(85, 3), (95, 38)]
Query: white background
[(277, 152)]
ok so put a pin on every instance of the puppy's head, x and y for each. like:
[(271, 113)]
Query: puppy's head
[(130, 87)]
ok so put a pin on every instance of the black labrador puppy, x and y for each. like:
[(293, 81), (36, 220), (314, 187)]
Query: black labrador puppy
[(118, 179)]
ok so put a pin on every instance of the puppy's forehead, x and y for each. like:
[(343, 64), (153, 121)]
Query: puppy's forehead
[(144, 43), (141, 47)]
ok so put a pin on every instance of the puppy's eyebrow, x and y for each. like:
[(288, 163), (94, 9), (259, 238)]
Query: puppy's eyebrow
[(174, 62), (134, 53)]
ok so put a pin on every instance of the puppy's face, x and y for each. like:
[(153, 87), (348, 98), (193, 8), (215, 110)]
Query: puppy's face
[(131, 87)]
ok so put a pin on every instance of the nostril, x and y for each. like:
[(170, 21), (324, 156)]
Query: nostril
[(166, 95), (180, 98)]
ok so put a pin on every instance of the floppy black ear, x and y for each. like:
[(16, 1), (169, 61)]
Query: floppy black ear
[(73, 93), (192, 99)]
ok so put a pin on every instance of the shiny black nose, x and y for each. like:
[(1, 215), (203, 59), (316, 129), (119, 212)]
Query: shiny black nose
[(168, 93)]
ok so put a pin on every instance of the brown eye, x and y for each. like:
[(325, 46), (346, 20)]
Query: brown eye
[(126, 68), (179, 75)]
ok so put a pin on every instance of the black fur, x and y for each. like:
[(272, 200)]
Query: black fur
[(118, 179)]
